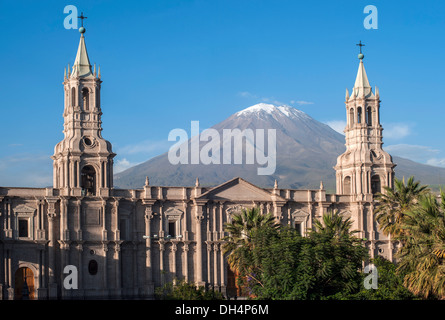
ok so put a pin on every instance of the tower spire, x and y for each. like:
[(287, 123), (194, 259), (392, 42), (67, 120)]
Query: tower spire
[(82, 65), (362, 88)]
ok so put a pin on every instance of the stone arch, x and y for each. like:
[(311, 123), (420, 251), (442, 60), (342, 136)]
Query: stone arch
[(369, 116), (73, 96), (86, 99), (25, 282), (347, 185), (376, 184), (89, 179), (351, 117)]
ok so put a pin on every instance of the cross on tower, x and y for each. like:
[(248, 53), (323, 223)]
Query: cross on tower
[(360, 45), (82, 17)]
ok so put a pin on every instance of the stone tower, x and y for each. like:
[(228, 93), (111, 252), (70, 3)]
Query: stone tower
[(364, 168), (83, 160)]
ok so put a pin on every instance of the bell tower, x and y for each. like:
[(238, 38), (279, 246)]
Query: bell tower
[(364, 168), (83, 160)]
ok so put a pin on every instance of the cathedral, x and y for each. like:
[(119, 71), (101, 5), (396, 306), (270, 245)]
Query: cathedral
[(123, 244)]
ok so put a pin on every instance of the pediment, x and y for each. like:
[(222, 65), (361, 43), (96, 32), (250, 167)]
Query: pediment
[(239, 190), (22, 208), (299, 215), (173, 212)]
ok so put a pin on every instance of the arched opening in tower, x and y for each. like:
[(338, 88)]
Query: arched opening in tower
[(375, 184), (88, 182)]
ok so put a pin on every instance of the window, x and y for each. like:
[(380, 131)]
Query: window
[(92, 267), (299, 220), (351, 117), (172, 224), (88, 141), (298, 227), (88, 182), (73, 97), (369, 116), (23, 222), (347, 185), (375, 184), (86, 99), (23, 228), (359, 115), (123, 229), (172, 228)]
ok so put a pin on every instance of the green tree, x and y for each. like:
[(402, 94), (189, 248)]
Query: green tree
[(337, 256), (238, 243), (389, 284), (184, 290), (422, 257), (275, 272), (393, 204), (285, 265)]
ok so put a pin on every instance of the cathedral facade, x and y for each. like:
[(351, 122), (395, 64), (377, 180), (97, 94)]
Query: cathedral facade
[(125, 243)]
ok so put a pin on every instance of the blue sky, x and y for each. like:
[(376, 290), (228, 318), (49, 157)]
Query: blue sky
[(165, 63)]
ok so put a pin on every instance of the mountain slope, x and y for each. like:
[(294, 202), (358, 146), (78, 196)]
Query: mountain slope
[(306, 150)]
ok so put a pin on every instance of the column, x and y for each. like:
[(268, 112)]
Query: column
[(10, 289), (186, 249), (185, 233), (8, 226), (104, 221), (105, 268), (78, 174), (223, 272), (66, 172), (80, 267), (52, 294), (149, 286), (79, 219), (161, 223), (117, 259), (64, 247), (106, 183), (360, 220), (223, 263), (198, 219), (64, 217), (173, 249), (214, 220), (215, 264), (209, 266), (161, 260), (115, 219)]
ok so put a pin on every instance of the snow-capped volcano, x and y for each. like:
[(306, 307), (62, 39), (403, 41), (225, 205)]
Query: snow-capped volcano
[(306, 153), (267, 108)]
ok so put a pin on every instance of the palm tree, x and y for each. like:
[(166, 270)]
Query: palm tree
[(337, 255), (334, 225), (422, 258), (393, 204), (237, 244)]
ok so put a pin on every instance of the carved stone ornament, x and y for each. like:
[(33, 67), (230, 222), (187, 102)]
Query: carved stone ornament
[(234, 209), (299, 215)]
